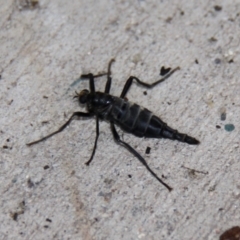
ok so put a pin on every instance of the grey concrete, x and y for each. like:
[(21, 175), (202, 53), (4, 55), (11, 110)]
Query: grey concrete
[(45, 48)]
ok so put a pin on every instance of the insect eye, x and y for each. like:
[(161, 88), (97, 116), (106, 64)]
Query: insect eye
[(83, 96)]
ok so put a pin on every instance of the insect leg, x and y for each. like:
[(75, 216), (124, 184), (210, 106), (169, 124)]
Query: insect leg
[(136, 154), (91, 81), (95, 144), (109, 79), (147, 85), (91, 77), (75, 114)]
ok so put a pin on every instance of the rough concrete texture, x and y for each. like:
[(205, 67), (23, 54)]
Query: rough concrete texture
[(46, 190)]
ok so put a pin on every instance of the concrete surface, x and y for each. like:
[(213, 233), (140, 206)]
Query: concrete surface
[(46, 190)]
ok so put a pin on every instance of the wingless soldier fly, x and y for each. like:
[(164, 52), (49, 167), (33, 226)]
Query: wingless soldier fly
[(130, 117)]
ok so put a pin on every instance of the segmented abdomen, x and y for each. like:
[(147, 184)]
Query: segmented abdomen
[(141, 122), (134, 119)]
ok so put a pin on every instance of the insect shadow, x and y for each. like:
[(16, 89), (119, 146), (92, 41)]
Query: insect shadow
[(130, 117)]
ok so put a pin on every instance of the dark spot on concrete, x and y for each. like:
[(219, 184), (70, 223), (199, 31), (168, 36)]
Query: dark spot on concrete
[(108, 181), (106, 195), (212, 39), (217, 126), (229, 127), (217, 8), (46, 167), (217, 60), (20, 210), (15, 216), (212, 188), (28, 4), (148, 149), (30, 183), (169, 19), (223, 116)]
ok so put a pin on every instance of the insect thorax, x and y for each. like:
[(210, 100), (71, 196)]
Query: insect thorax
[(100, 104)]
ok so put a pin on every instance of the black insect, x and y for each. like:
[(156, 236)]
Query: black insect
[(129, 116)]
